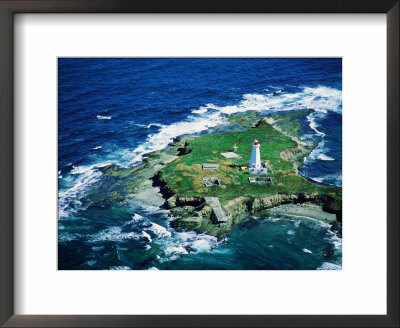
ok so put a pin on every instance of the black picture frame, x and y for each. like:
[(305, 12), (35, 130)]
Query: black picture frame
[(10, 7)]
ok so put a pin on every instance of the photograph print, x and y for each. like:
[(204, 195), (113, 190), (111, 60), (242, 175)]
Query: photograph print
[(199, 163)]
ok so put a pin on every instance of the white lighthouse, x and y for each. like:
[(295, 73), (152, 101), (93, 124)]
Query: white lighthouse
[(255, 160)]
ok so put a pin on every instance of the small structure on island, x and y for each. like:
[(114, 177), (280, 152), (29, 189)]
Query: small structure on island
[(219, 214), (260, 180), (212, 182), (230, 155), (255, 160), (235, 148), (210, 166)]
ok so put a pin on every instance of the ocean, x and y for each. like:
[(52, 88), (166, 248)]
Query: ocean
[(115, 110)]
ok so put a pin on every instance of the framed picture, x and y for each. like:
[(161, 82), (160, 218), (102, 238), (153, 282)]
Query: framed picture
[(163, 162)]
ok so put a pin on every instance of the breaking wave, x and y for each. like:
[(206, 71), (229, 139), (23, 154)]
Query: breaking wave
[(201, 110), (154, 124), (69, 199), (319, 152), (101, 117), (321, 99), (114, 234), (330, 179)]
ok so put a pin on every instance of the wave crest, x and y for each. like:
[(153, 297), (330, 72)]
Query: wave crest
[(101, 117)]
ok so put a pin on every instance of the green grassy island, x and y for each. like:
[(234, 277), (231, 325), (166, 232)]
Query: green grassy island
[(178, 173), (184, 176), (182, 180)]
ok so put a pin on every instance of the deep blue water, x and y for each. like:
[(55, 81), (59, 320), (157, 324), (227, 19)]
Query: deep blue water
[(116, 110)]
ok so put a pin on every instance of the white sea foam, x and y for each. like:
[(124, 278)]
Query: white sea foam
[(329, 266), (154, 124), (97, 147), (153, 209), (318, 153), (324, 157), (121, 267), (198, 242), (172, 243), (80, 169), (159, 230), (153, 269), (331, 179), (314, 125), (335, 240), (121, 157), (175, 250), (146, 235), (68, 200), (291, 232), (135, 218), (317, 179), (67, 236), (114, 234), (321, 99), (201, 245), (305, 250), (175, 244), (201, 110), (101, 117), (91, 262)]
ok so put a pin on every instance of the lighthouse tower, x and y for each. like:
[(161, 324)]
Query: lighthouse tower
[(255, 160)]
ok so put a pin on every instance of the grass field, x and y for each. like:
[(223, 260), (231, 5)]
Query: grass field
[(184, 175)]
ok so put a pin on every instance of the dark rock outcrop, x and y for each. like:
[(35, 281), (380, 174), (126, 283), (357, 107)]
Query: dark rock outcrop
[(263, 121), (158, 181), (184, 150)]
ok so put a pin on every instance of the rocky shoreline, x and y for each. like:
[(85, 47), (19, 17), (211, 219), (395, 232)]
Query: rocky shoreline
[(195, 214)]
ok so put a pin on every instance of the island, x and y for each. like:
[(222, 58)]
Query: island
[(205, 181)]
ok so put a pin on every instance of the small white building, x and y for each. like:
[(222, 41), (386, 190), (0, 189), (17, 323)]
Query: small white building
[(255, 160), (210, 166), (230, 155)]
